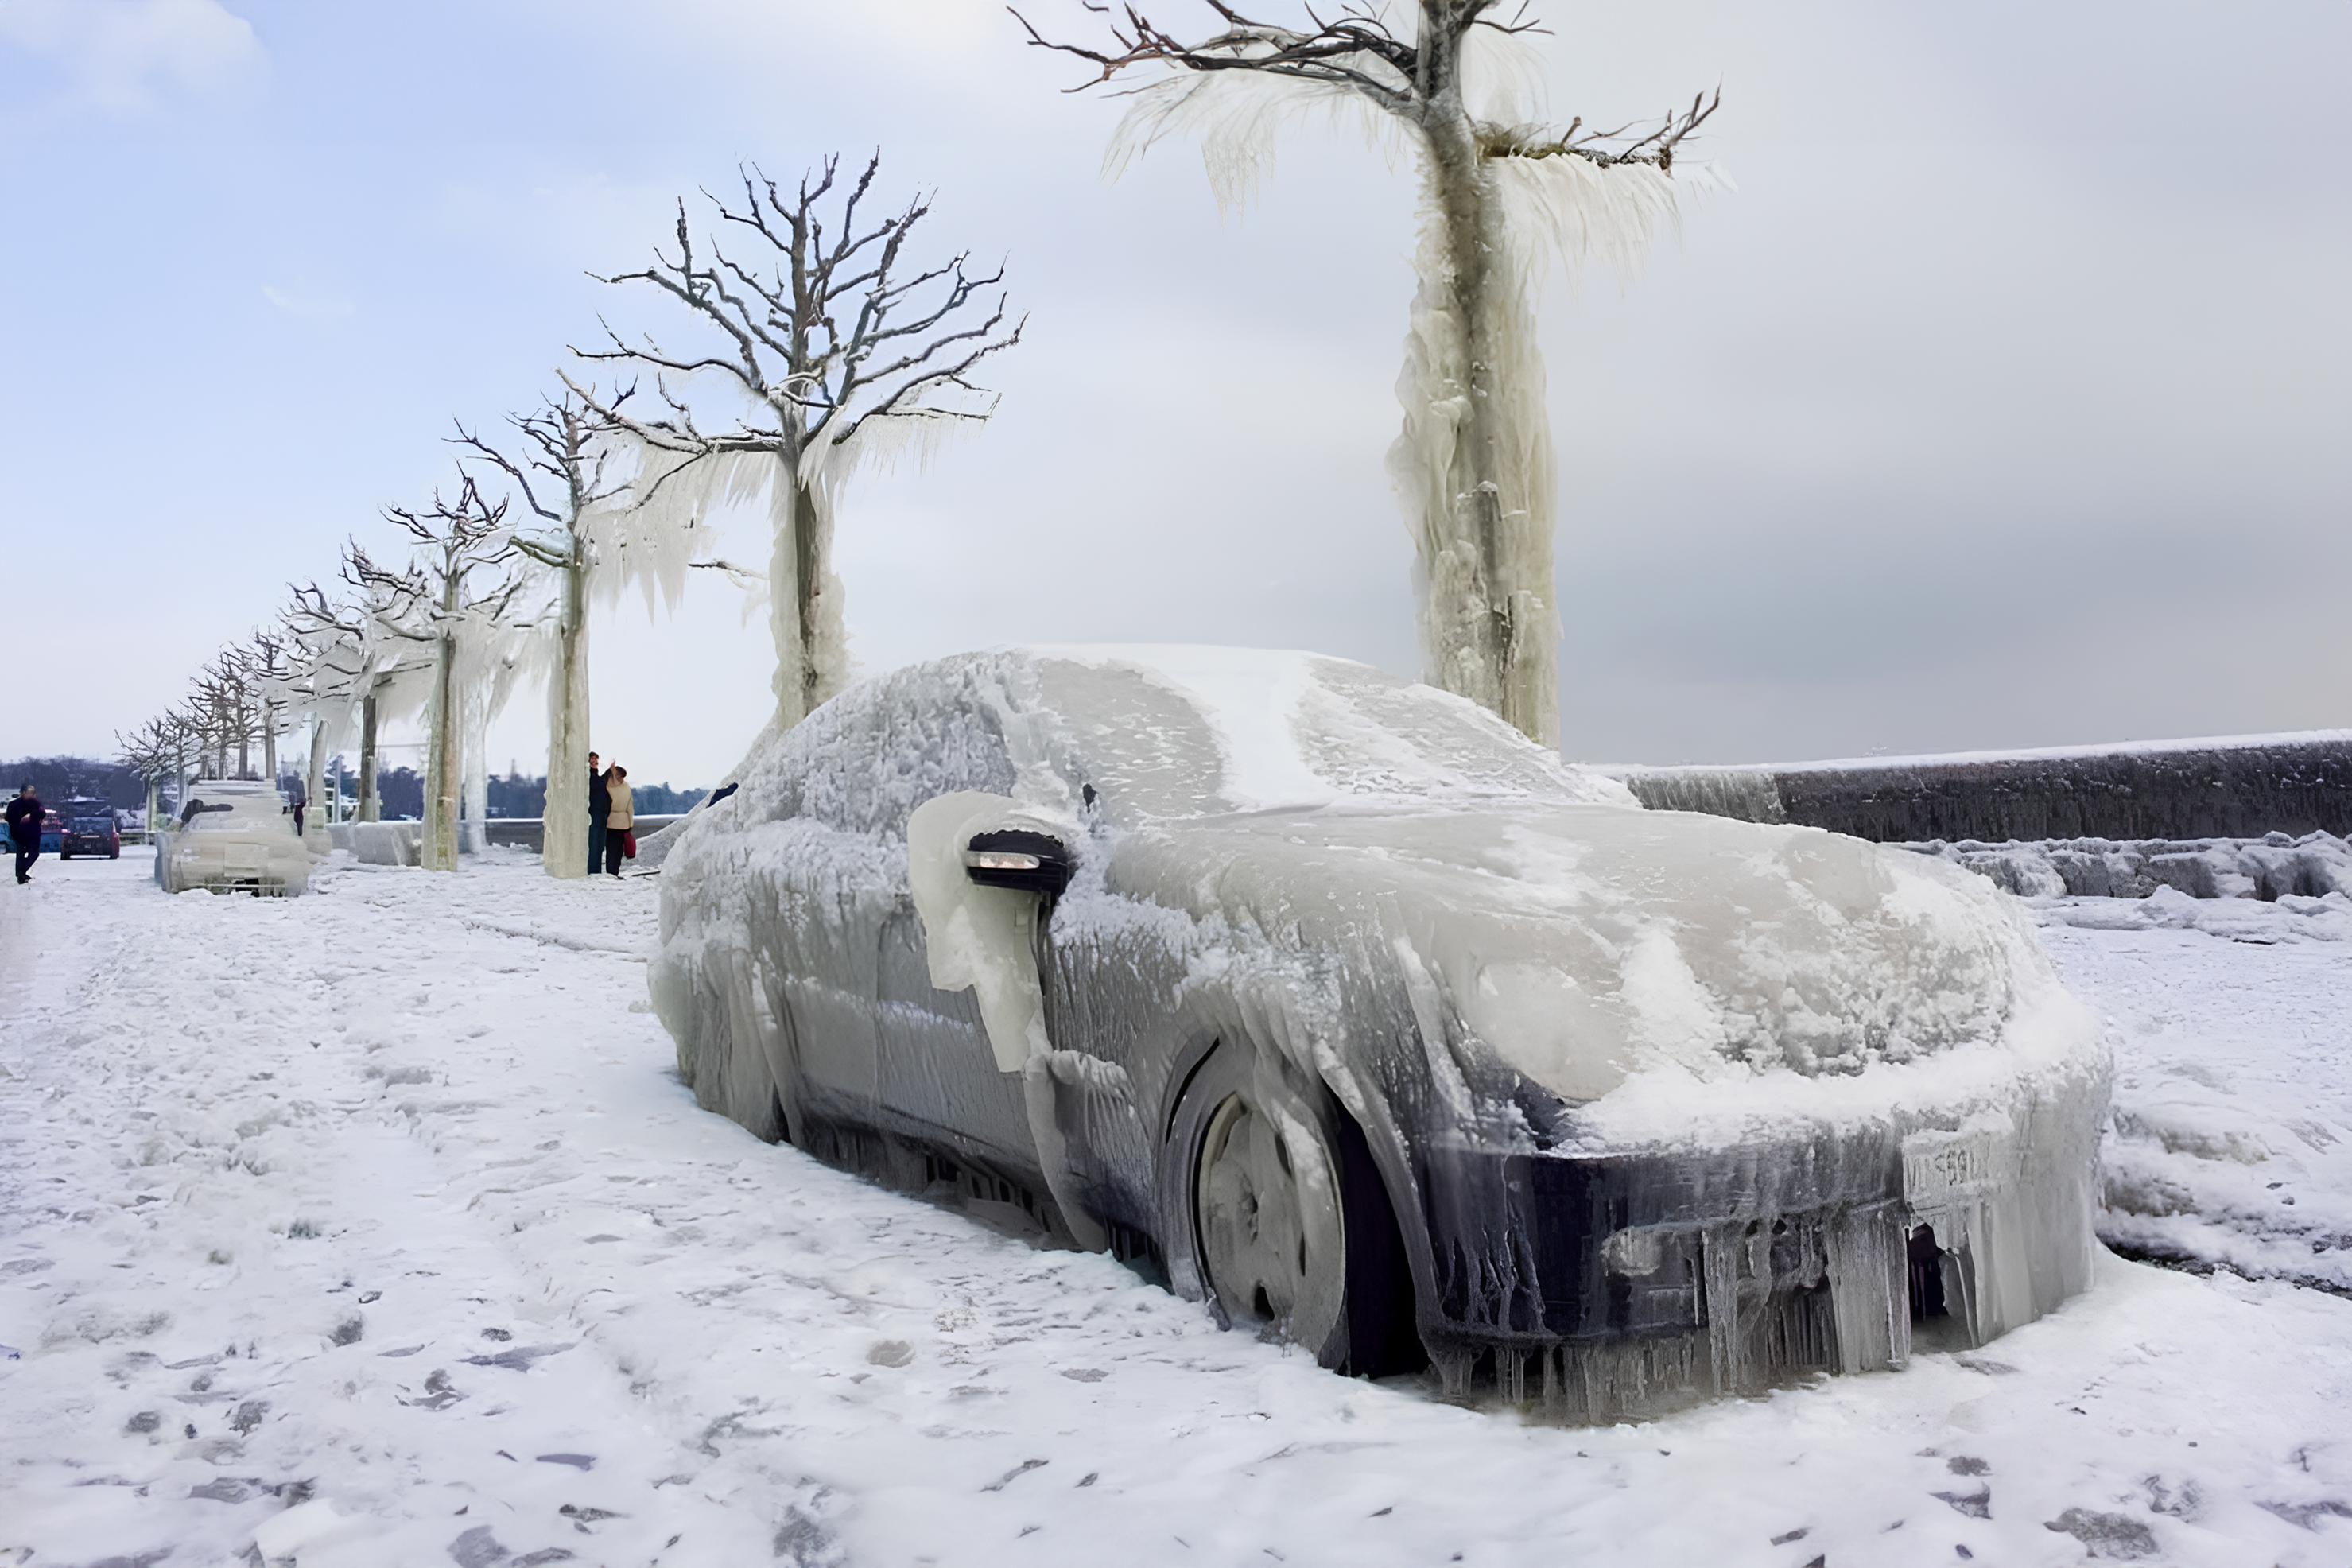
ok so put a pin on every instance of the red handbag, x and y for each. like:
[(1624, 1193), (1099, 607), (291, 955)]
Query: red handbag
[(629, 846)]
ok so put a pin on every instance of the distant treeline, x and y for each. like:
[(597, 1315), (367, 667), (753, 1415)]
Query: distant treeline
[(57, 779), (401, 790), (515, 795)]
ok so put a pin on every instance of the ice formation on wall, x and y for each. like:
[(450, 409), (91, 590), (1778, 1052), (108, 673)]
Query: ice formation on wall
[(2270, 868), (1661, 1103)]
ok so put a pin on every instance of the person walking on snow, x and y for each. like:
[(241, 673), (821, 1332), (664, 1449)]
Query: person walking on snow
[(25, 815), (621, 822), (599, 806)]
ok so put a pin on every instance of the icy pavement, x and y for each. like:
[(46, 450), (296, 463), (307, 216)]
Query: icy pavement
[(371, 1229)]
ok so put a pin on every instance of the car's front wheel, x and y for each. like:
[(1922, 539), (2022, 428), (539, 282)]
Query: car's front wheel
[(1265, 1205), (1280, 1220)]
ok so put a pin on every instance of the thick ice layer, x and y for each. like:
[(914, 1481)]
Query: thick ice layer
[(1554, 1018)]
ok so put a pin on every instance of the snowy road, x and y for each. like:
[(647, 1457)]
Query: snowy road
[(382, 1203)]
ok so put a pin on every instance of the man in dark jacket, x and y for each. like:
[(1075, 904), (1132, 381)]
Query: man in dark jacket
[(24, 816), (599, 806)]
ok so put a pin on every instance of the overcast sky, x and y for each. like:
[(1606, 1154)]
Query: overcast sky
[(2004, 403)]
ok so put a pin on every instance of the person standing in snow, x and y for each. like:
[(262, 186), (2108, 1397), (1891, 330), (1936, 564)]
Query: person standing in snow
[(25, 814), (620, 821), (599, 806)]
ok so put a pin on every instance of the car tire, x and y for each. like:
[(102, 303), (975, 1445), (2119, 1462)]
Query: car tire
[(1277, 1218)]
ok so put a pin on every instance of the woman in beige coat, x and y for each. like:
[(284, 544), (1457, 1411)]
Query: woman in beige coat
[(620, 821)]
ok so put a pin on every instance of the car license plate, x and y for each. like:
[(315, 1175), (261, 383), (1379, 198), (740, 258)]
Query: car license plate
[(1939, 1167)]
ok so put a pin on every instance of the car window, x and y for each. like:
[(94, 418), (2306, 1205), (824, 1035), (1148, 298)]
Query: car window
[(863, 765), (1198, 731), (243, 814), (1143, 749), (1369, 733)]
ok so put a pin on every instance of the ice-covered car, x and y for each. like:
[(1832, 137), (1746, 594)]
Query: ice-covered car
[(1378, 1026), (233, 836)]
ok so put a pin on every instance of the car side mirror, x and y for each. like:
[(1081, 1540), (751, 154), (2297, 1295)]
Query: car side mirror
[(1016, 858)]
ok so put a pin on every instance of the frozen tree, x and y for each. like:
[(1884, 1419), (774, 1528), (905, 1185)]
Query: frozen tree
[(263, 658), (592, 543), (845, 354), (1474, 464), (156, 751), (225, 704), (366, 664), (332, 679), (456, 540), (312, 690)]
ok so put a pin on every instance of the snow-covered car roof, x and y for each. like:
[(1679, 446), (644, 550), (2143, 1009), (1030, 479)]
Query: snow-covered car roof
[(1158, 732)]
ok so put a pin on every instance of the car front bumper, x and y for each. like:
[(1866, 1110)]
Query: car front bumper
[(1622, 1282)]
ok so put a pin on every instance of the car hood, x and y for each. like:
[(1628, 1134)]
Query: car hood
[(1585, 944)]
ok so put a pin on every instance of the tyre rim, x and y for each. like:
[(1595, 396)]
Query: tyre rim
[(1269, 1223)]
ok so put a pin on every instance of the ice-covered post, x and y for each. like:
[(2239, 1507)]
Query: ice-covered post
[(1474, 464), (844, 354)]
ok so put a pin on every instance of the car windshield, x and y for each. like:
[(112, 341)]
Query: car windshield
[(93, 824), (1176, 731), (237, 813)]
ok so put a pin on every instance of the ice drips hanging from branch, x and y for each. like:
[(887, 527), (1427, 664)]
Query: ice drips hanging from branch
[(845, 356), (1502, 199)]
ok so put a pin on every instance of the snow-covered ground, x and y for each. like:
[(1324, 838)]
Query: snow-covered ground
[(372, 1228)]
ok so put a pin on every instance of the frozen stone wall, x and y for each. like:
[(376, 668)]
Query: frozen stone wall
[(2235, 788)]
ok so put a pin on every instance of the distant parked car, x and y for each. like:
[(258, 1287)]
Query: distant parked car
[(53, 834), (233, 837), (91, 836)]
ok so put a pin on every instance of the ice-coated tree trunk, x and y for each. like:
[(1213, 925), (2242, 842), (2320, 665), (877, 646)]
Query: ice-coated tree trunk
[(314, 776), (270, 743), (371, 803), (563, 819), (1474, 463), (443, 753), (804, 604), (474, 799)]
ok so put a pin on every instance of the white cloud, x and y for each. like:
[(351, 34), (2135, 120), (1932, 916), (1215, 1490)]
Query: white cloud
[(308, 302), (125, 56)]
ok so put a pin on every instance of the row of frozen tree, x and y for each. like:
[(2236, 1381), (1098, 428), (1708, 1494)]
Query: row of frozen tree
[(808, 316)]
